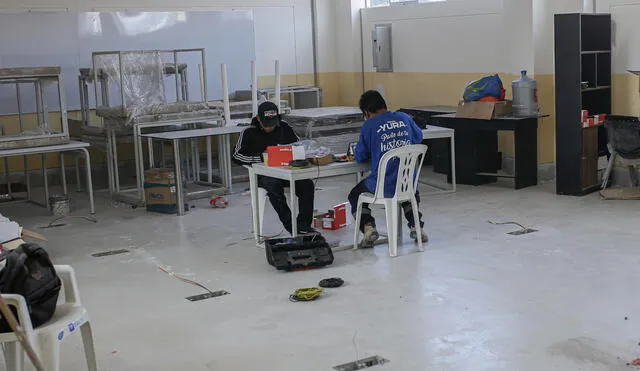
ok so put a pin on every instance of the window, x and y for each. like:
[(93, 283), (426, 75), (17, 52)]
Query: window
[(378, 3)]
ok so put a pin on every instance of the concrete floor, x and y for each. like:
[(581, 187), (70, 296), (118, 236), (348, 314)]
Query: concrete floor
[(477, 299)]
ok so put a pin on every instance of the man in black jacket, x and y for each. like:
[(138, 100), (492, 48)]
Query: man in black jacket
[(267, 129)]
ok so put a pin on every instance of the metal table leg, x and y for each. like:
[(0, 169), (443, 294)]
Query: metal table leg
[(89, 180), (110, 163), (7, 174), (197, 159), (63, 174), (151, 154), (78, 180), (209, 162), (116, 169), (227, 161), (45, 178), (221, 165), (26, 177), (294, 207), (137, 138), (253, 187), (194, 159), (178, 170), (453, 161)]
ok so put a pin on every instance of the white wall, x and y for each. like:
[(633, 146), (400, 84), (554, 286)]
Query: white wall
[(442, 37), (282, 27), (326, 35), (544, 11), (517, 34), (89, 5), (625, 15)]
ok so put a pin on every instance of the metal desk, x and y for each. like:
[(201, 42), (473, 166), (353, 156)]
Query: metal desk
[(292, 175), (327, 171), (224, 154), (72, 146), (437, 132)]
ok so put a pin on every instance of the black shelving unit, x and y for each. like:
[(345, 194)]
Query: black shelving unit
[(583, 82)]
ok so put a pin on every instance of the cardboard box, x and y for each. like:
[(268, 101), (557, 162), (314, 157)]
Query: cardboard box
[(341, 215), (160, 176), (283, 155), (336, 218), (321, 160), (160, 197), (484, 110)]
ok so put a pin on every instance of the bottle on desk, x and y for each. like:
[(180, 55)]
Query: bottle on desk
[(525, 96)]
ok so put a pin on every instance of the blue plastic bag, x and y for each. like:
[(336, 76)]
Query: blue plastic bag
[(488, 86)]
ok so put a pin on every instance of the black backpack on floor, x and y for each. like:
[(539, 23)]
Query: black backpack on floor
[(28, 271)]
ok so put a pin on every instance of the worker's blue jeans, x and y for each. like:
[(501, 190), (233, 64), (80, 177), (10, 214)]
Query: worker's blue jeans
[(305, 190), (367, 218)]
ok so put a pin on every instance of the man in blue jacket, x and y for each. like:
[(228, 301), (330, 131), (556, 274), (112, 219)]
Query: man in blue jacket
[(383, 131)]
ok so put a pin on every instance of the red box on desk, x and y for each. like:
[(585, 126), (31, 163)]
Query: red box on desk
[(283, 155), (337, 218)]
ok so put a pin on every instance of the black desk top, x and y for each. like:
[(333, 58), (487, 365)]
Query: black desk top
[(442, 109), (509, 117)]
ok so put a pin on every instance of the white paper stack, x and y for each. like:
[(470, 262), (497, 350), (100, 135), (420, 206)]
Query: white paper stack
[(9, 230)]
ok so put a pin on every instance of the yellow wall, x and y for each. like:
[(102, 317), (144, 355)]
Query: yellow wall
[(409, 90), (420, 89), (404, 90)]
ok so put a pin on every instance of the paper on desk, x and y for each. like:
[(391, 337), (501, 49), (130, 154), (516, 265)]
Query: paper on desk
[(9, 230)]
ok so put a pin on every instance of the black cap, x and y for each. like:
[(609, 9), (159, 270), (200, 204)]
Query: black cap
[(268, 114)]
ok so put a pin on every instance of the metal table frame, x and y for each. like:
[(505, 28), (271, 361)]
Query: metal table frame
[(72, 146), (292, 91), (437, 132), (293, 175), (86, 77), (38, 76), (331, 170), (224, 155)]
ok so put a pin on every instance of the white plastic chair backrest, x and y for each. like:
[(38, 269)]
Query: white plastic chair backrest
[(69, 284), (22, 313), (410, 162)]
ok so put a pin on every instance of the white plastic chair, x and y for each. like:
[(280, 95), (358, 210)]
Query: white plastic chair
[(260, 207), (70, 317), (410, 162)]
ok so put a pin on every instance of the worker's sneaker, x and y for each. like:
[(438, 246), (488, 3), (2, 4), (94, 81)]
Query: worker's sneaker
[(414, 235), (307, 230), (370, 236)]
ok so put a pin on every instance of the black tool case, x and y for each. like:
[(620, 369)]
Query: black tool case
[(309, 251)]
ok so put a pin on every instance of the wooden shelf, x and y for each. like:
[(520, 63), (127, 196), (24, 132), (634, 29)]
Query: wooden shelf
[(582, 53), (596, 88), (596, 52)]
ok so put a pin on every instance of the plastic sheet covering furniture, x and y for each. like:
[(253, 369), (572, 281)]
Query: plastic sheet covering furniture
[(46, 133), (332, 127), (143, 107), (243, 109), (87, 76)]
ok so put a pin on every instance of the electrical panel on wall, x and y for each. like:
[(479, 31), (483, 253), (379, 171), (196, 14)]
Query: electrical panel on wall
[(382, 56)]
